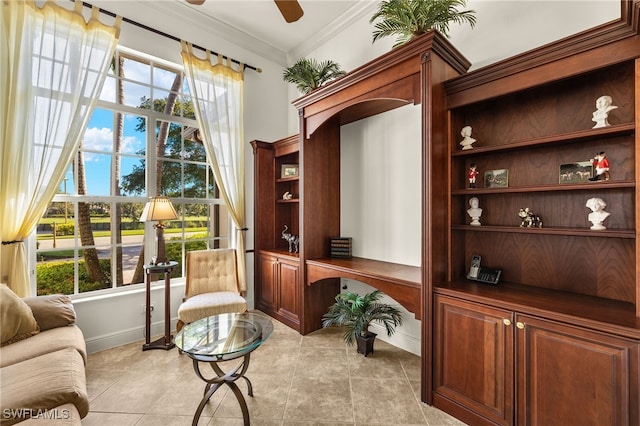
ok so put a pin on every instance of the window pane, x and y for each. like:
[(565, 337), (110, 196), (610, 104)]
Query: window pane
[(108, 92), (171, 179), (99, 133), (129, 242), (97, 172), (163, 77), (136, 70), (195, 183), (193, 147), (134, 131), (136, 95)]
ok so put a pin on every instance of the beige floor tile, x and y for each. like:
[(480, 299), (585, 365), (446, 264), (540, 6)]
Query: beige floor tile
[(386, 401), (312, 380)]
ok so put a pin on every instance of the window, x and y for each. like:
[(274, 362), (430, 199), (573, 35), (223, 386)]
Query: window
[(141, 141)]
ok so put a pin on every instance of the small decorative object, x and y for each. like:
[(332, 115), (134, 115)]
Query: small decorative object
[(496, 178), (601, 114), (293, 240), (597, 215), (467, 141), (287, 196), (341, 248), (601, 166), (289, 171), (471, 174), (309, 74), (529, 219), (575, 172), (474, 212), (355, 313), (411, 18)]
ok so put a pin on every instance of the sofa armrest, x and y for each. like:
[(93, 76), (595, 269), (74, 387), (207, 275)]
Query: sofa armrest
[(52, 311)]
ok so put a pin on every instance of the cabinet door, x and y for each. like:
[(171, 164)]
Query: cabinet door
[(288, 290), (474, 361), (267, 290), (572, 376)]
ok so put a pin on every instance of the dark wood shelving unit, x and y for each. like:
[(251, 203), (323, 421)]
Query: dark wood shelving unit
[(563, 323)]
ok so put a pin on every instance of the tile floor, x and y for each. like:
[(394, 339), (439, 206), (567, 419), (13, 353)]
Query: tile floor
[(297, 380)]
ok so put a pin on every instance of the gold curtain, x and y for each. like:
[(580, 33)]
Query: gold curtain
[(218, 95), (53, 65)]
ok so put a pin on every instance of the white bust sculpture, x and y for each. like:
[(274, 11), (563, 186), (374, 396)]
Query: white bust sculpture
[(597, 215), (467, 141), (474, 212), (601, 114)]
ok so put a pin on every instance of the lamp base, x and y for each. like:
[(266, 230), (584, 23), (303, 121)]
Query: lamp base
[(161, 257)]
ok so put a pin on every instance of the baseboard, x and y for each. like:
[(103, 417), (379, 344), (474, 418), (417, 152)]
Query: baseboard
[(124, 337), (401, 340)]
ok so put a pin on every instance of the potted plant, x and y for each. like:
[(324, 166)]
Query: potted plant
[(355, 313), (309, 74), (410, 18)]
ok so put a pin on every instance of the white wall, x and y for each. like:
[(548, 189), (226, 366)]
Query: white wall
[(380, 199)]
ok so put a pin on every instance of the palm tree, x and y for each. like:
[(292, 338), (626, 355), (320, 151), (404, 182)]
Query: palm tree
[(309, 74), (410, 18), (356, 312)]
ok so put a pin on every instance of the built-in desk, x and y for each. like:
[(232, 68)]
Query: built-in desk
[(400, 282)]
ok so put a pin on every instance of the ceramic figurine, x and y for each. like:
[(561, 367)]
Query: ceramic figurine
[(467, 141), (474, 212), (601, 166), (601, 114), (287, 196), (471, 174), (597, 215), (529, 219)]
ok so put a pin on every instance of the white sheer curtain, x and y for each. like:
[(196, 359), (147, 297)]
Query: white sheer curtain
[(218, 92), (53, 65)]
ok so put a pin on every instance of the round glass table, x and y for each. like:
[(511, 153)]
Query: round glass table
[(219, 338)]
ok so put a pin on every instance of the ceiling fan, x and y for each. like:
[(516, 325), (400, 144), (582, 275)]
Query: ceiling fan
[(290, 9)]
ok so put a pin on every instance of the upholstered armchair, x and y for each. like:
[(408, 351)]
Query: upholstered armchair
[(211, 286)]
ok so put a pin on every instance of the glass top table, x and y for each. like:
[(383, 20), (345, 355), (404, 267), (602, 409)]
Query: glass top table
[(219, 338)]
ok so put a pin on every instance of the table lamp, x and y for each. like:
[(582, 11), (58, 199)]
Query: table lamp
[(159, 208)]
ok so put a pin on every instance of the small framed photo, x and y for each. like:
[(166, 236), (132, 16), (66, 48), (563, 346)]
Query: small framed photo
[(289, 171), (496, 178), (575, 172)]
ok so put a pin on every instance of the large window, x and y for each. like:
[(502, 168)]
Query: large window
[(142, 141)]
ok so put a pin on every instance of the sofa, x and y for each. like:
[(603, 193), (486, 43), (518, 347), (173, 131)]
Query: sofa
[(42, 361)]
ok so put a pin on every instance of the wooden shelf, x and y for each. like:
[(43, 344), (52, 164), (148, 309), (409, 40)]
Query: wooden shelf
[(608, 233), (292, 200), (288, 179), (586, 186), (579, 136)]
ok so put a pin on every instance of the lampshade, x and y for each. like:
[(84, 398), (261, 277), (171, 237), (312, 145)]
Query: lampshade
[(158, 208)]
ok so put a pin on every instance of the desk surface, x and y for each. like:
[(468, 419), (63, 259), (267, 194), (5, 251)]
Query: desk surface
[(224, 336)]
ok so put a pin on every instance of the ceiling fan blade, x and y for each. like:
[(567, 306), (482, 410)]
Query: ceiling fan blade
[(196, 2), (290, 9)]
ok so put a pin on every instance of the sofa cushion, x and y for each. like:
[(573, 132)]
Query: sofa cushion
[(42, 343), (18, 321), (51, 311), (44, 382)]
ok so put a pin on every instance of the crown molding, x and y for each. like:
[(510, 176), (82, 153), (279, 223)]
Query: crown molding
[(355, 12)]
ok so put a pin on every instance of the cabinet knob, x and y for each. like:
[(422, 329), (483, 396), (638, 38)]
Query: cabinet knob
[(506, 321), (520, 325)]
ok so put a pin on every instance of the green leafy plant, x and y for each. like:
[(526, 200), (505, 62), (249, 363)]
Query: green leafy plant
[(309, 74), (410, 18), (356, 312)]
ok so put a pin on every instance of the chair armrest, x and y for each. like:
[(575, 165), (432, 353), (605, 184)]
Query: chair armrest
[(52, 311)]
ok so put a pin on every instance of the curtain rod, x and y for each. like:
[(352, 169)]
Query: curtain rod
[(169, 36)]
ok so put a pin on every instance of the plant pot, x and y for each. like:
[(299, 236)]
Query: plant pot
[(365, 343)]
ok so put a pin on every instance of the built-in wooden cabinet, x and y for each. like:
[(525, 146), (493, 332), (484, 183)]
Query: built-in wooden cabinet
[(556, 341), (279, 293), (507, 368)]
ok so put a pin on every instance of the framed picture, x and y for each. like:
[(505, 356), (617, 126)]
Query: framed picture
[(575, 172), (289, 170), (496, 178)]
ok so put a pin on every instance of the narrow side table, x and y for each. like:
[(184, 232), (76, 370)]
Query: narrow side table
[(165, 342)]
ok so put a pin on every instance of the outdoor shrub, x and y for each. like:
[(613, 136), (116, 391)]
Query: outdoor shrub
[(57, 277), (65, 229)]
